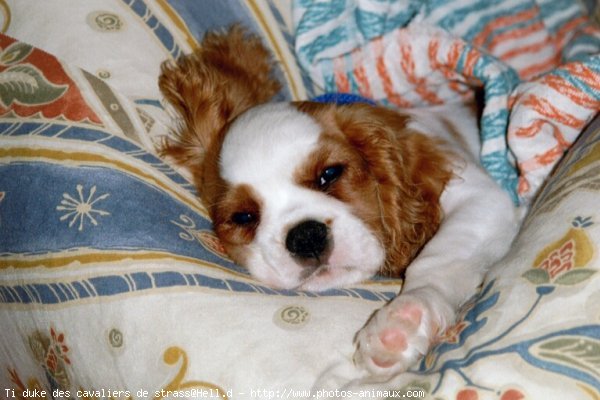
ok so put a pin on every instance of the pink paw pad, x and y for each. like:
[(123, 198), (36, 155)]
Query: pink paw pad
[(393, 340), (410, 312), (383, 363)]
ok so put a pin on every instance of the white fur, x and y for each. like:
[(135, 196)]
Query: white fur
[(262, 149), (479, 225), (266, 145)]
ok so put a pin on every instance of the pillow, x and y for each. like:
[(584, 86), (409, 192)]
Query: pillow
[(111, 278)]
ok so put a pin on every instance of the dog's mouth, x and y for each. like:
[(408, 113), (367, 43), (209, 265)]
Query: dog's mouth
[(313, 266), (311, 271)]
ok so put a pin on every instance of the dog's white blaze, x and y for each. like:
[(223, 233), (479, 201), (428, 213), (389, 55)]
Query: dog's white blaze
[(267, 143)]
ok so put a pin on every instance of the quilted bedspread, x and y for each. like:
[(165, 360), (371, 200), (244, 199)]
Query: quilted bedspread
[(538, 62), (113, 285)]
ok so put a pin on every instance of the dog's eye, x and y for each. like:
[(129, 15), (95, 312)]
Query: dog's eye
[(243, 218), (329, 175)]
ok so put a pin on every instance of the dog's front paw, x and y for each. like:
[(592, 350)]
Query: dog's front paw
[(396, 337)]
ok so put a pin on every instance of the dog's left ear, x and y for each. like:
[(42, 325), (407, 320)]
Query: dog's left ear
[(229, 73)]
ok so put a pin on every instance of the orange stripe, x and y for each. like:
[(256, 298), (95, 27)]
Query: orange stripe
[(406, 61), (566, 89), (341, 79), (470, 61), (503, 22), (528, 49), (590, 29), (515, 35), (536, 127), (383, 74), (541, 67), (530, 130), (551, 155), (524, 185), (541, 160), (585, 74), (432, 51), (361, 76), (546, 109), (420, 84), (453, 78), (454, 54)]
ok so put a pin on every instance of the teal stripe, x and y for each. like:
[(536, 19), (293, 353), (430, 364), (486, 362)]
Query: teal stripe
[(317, 14), (593, 63), (311, 51), (502, 172), (551, 8), (373, 24), (326, 66), (433, 5), (450, 21), (587, 45), (494, 125), (500, 85)]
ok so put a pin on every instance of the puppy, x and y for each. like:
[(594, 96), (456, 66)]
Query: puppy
[(312, 196)]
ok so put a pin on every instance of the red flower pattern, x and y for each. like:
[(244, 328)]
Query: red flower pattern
[(59, 347), (560, 260)]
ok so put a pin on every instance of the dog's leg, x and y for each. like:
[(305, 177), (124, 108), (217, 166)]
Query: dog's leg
[(479, 224)]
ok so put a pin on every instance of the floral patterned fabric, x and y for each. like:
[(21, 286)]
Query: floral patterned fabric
[(113, 285)]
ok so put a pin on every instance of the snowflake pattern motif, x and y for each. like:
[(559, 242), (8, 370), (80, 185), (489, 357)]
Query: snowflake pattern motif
[(78, 209)]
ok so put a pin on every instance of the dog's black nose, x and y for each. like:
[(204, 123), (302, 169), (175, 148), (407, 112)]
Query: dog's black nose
[(308, 239)]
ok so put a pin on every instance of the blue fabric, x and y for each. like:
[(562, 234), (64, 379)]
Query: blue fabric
[(342, 98)]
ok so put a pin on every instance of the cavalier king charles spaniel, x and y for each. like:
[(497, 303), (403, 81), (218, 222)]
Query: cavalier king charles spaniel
[(312, 196)]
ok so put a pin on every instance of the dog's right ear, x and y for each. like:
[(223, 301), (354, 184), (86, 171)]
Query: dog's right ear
[(226, 75)]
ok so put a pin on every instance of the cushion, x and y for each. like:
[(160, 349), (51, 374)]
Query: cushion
[(111, 278)]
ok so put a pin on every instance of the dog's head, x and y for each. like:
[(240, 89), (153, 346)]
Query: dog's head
[(303, 194)]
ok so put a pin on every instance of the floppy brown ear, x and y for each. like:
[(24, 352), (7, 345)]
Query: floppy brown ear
[(410, 170), (229, 73)]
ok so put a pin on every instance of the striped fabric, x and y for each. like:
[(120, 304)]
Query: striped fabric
[(537, 61)]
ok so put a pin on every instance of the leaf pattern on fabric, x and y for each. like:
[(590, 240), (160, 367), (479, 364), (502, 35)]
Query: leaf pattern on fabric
[(576, 352), (25, 84)]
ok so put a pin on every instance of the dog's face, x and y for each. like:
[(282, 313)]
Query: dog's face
[(305, 195), (296, 204), (314, 196)]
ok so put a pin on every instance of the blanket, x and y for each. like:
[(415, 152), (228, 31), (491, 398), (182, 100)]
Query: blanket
[(537, 61)]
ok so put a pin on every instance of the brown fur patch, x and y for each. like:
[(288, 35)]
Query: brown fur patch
[(228, 74), (236, 200), (397, 175)]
